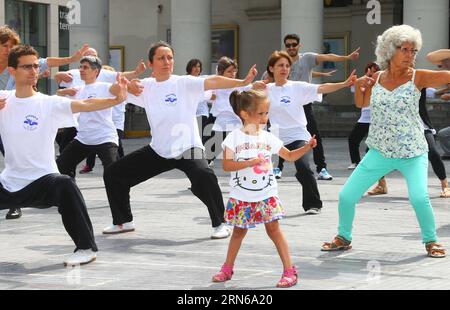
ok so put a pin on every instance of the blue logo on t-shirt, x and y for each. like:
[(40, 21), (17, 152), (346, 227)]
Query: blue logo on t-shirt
[(285, 100), (171, 100), (30, 123)]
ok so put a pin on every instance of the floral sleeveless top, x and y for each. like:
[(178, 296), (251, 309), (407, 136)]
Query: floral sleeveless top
[(396, 130)]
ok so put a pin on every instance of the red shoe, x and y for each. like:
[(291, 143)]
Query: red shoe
[(225, 274), (85, 169), (289, 278)]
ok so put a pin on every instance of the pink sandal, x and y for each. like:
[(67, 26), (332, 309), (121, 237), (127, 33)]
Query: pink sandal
[(225, 274), (289, 278)]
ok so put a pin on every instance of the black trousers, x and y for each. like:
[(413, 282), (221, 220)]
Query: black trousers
[(64, 137), (76, 152), (304, 174), (59, 191), (2, 149), (90, 161), (145, 164), (434, 157), (318, 152), (359, 132)]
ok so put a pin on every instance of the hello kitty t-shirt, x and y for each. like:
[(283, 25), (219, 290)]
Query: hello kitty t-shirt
[(256, 183)]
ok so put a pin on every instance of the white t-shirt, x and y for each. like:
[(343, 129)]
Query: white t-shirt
[(118, 115), (95, 128), (226, 119), (365, 116), (28, 128), (255, 183), (203, 108), (171, 111), (105, 76), (287, 116)]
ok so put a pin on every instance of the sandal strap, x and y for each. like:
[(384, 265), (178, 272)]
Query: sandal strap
[(290, 272), (435, 247), (227, 270)]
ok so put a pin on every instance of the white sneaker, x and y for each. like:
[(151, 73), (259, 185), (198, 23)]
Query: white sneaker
[(352, 167), (80, 257), (119, 229), (313, 211), (221, 232), (278, 173), (324, 175)]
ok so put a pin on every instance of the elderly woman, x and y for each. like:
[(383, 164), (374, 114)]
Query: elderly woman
[(396, 138)]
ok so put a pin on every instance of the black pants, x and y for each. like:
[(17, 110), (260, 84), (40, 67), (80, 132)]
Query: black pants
[(311, 196), (76, 152), (64, 137), (144, 164), (62, 192), (318, 152), (359, 132), (434, 157), (215, 144), (2, 149), (90, 161)]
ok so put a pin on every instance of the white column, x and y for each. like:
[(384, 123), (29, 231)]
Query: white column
[(432, 19), (94, 28), (304, 18), (2, 12), (191, 33)]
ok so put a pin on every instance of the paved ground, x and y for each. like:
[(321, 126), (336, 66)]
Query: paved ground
[(171, 248)]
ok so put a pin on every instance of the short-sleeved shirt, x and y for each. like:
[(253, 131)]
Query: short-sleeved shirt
[(28, 127), (286, 114), (171, 112), (226, 119), (255, 183), (302, 69)]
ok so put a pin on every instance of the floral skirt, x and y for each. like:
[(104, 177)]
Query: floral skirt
[(244, 214)]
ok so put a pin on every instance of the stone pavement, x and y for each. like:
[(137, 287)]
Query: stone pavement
[(172, 249)]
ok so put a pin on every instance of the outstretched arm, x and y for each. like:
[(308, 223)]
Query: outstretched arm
[(140, 68), (323, 74), (298, 153), (430, 78), (221, 82), (333, 57), (332, 87), (61, 61), (438, 56)]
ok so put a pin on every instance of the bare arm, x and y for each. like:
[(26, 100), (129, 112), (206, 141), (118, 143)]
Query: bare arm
[(438, 56), (298, 153), (323, 74), (332, 87), (63, 77), (229, 164), (333, 57), (140, 68), (363, 90), (430, 78), (221, 82), (61, 61)]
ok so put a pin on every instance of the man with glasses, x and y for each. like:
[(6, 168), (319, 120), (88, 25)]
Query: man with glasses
[(302, 70)]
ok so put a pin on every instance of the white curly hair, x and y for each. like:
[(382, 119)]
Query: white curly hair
[(393, 38)]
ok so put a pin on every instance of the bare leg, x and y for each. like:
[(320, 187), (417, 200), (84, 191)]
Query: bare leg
[(276, 235)]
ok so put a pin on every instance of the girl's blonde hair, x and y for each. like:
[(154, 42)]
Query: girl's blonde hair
[(246, 101)]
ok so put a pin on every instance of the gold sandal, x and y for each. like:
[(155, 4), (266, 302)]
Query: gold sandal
[(378, 190), (445, 193), (435, 250)]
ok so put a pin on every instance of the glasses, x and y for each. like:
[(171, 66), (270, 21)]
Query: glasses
[(289, 45), (29, 67), (405, 51), (85, 67)]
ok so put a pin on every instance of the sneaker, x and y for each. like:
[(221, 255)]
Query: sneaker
[(80, 257), (221, 232), (119, 229), (352, 167), (85, 169), (277, 172), (313, 211), (324, 175), (13, 214)]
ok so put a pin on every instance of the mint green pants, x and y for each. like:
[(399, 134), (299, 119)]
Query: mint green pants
[(369, 171)]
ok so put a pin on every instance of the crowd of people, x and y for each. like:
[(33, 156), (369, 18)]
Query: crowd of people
[(247, 121)]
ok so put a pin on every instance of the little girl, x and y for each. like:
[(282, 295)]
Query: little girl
[(254, 196)]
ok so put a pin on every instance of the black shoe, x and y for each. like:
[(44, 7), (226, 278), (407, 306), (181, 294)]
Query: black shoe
[(13, 214)]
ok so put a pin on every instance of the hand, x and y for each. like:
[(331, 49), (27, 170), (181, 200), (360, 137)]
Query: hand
[(259, 85), (135, 87), (445, 97), (80, 53), (351, 79), (69, 92), (44, 74), (256, 161), (365, 82), (312, 142), (2, 103), (63, 77), (329, 74), (354, 55), (252, 73), (140, 68), (122, 90)]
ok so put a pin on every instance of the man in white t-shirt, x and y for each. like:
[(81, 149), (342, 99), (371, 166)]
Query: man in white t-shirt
[(171, 102), (96, 130), (29, 122)]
